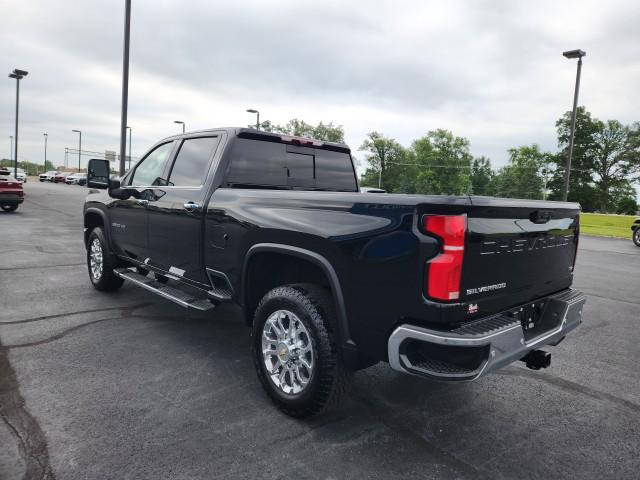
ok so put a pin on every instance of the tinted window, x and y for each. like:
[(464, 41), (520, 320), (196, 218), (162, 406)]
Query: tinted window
[(260, 163), (192, 162), (334, 171), (149, 171), (257, 163)]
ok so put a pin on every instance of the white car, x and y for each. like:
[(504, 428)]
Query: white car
[(76, 179), (48, 176), (21, 175)]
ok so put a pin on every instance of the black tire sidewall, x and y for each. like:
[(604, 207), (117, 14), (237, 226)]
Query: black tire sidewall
[(636, 237), (108, 280), (324, 356)]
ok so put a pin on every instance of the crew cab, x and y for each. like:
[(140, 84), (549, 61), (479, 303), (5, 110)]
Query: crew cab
[(331, 279), (11, 191)]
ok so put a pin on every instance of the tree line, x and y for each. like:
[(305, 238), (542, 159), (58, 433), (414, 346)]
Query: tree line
[(605, 163)]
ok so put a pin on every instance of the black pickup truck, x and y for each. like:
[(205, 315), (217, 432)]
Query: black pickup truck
[(331, 279)]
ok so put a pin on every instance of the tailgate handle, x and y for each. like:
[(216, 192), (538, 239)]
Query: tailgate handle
[(540, 216)]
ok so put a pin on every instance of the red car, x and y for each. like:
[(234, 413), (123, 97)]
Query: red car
[(61, 177), (11, 192)]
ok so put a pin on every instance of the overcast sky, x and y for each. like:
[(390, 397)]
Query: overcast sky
[(490, 71)]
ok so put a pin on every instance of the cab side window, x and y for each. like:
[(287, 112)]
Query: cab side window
[(149, 171), (192, 161)]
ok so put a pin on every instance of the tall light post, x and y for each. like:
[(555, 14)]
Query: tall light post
[(129, 148), (180, 122), (46, 137), (125, 84), (253, 110), (79, 146), (572, 54), (18, 75)]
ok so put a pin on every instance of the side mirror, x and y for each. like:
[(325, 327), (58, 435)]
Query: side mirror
[(98, 174)]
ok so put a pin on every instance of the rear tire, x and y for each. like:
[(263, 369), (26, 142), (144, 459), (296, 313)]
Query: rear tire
[(101, 263), (295, 352), (636, 237), (9, 208)]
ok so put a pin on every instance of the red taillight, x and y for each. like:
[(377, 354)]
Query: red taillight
[(445, 270)]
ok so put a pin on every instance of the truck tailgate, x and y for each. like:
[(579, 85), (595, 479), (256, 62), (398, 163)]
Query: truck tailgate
[(517, 250)]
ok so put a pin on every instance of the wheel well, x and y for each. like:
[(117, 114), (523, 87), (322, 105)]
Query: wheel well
[(91, 221), (267, 270)]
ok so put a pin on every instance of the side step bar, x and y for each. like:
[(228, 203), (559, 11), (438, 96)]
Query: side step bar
[(182, 298)]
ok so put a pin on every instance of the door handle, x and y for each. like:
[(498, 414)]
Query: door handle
[(191, 206), (142, 202)]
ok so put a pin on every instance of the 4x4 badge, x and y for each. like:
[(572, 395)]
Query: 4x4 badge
[(473, 308)]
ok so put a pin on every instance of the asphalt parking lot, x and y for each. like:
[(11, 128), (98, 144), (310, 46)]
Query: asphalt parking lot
[(128, 386)]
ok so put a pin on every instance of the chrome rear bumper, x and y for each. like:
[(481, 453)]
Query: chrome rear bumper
[(483, 346)]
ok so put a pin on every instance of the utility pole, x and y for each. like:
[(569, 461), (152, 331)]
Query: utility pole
[(46, 136)]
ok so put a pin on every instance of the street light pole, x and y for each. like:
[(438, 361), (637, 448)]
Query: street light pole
[(125, 84), (253, 110), (46, 137), (129, 148), (79, 147), (180, 122), (572, 54), (18, 75)]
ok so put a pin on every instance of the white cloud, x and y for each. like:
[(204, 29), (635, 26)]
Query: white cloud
[(490, 71)]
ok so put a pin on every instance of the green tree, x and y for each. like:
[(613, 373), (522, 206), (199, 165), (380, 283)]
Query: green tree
[(299, 128), (606, 160), (387, 167), (443, 163), (615, 159), (627, 206), (522, 177), (482, 177), (580, 182)]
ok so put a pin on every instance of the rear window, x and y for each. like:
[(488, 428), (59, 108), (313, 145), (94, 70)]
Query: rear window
[(269, 164)]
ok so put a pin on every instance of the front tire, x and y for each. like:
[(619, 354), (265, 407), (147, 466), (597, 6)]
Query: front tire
[(295, 352), (636, 237), (101, 263), (9, 208)]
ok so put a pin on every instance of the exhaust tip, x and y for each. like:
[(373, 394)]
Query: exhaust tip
[(537, 359)]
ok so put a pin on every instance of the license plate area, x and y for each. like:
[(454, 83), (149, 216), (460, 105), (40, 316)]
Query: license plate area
[(537, 318)]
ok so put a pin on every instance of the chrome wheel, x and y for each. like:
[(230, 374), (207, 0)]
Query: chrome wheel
[(636, 236), (287, 352), (95, 259)]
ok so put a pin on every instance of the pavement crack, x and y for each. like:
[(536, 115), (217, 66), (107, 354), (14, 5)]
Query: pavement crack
[(68, 314), (126, 312), (574, 388), (31, 267), (30, 439)]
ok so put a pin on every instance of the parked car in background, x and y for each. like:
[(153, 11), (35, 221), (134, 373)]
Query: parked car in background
[(48, 176), (61, 177), (635, 232), (20, 175), (76, 179), (11, 192)]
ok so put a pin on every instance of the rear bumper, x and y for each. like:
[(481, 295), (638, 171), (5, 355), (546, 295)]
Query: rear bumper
[(478, 348), (11, 199)]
